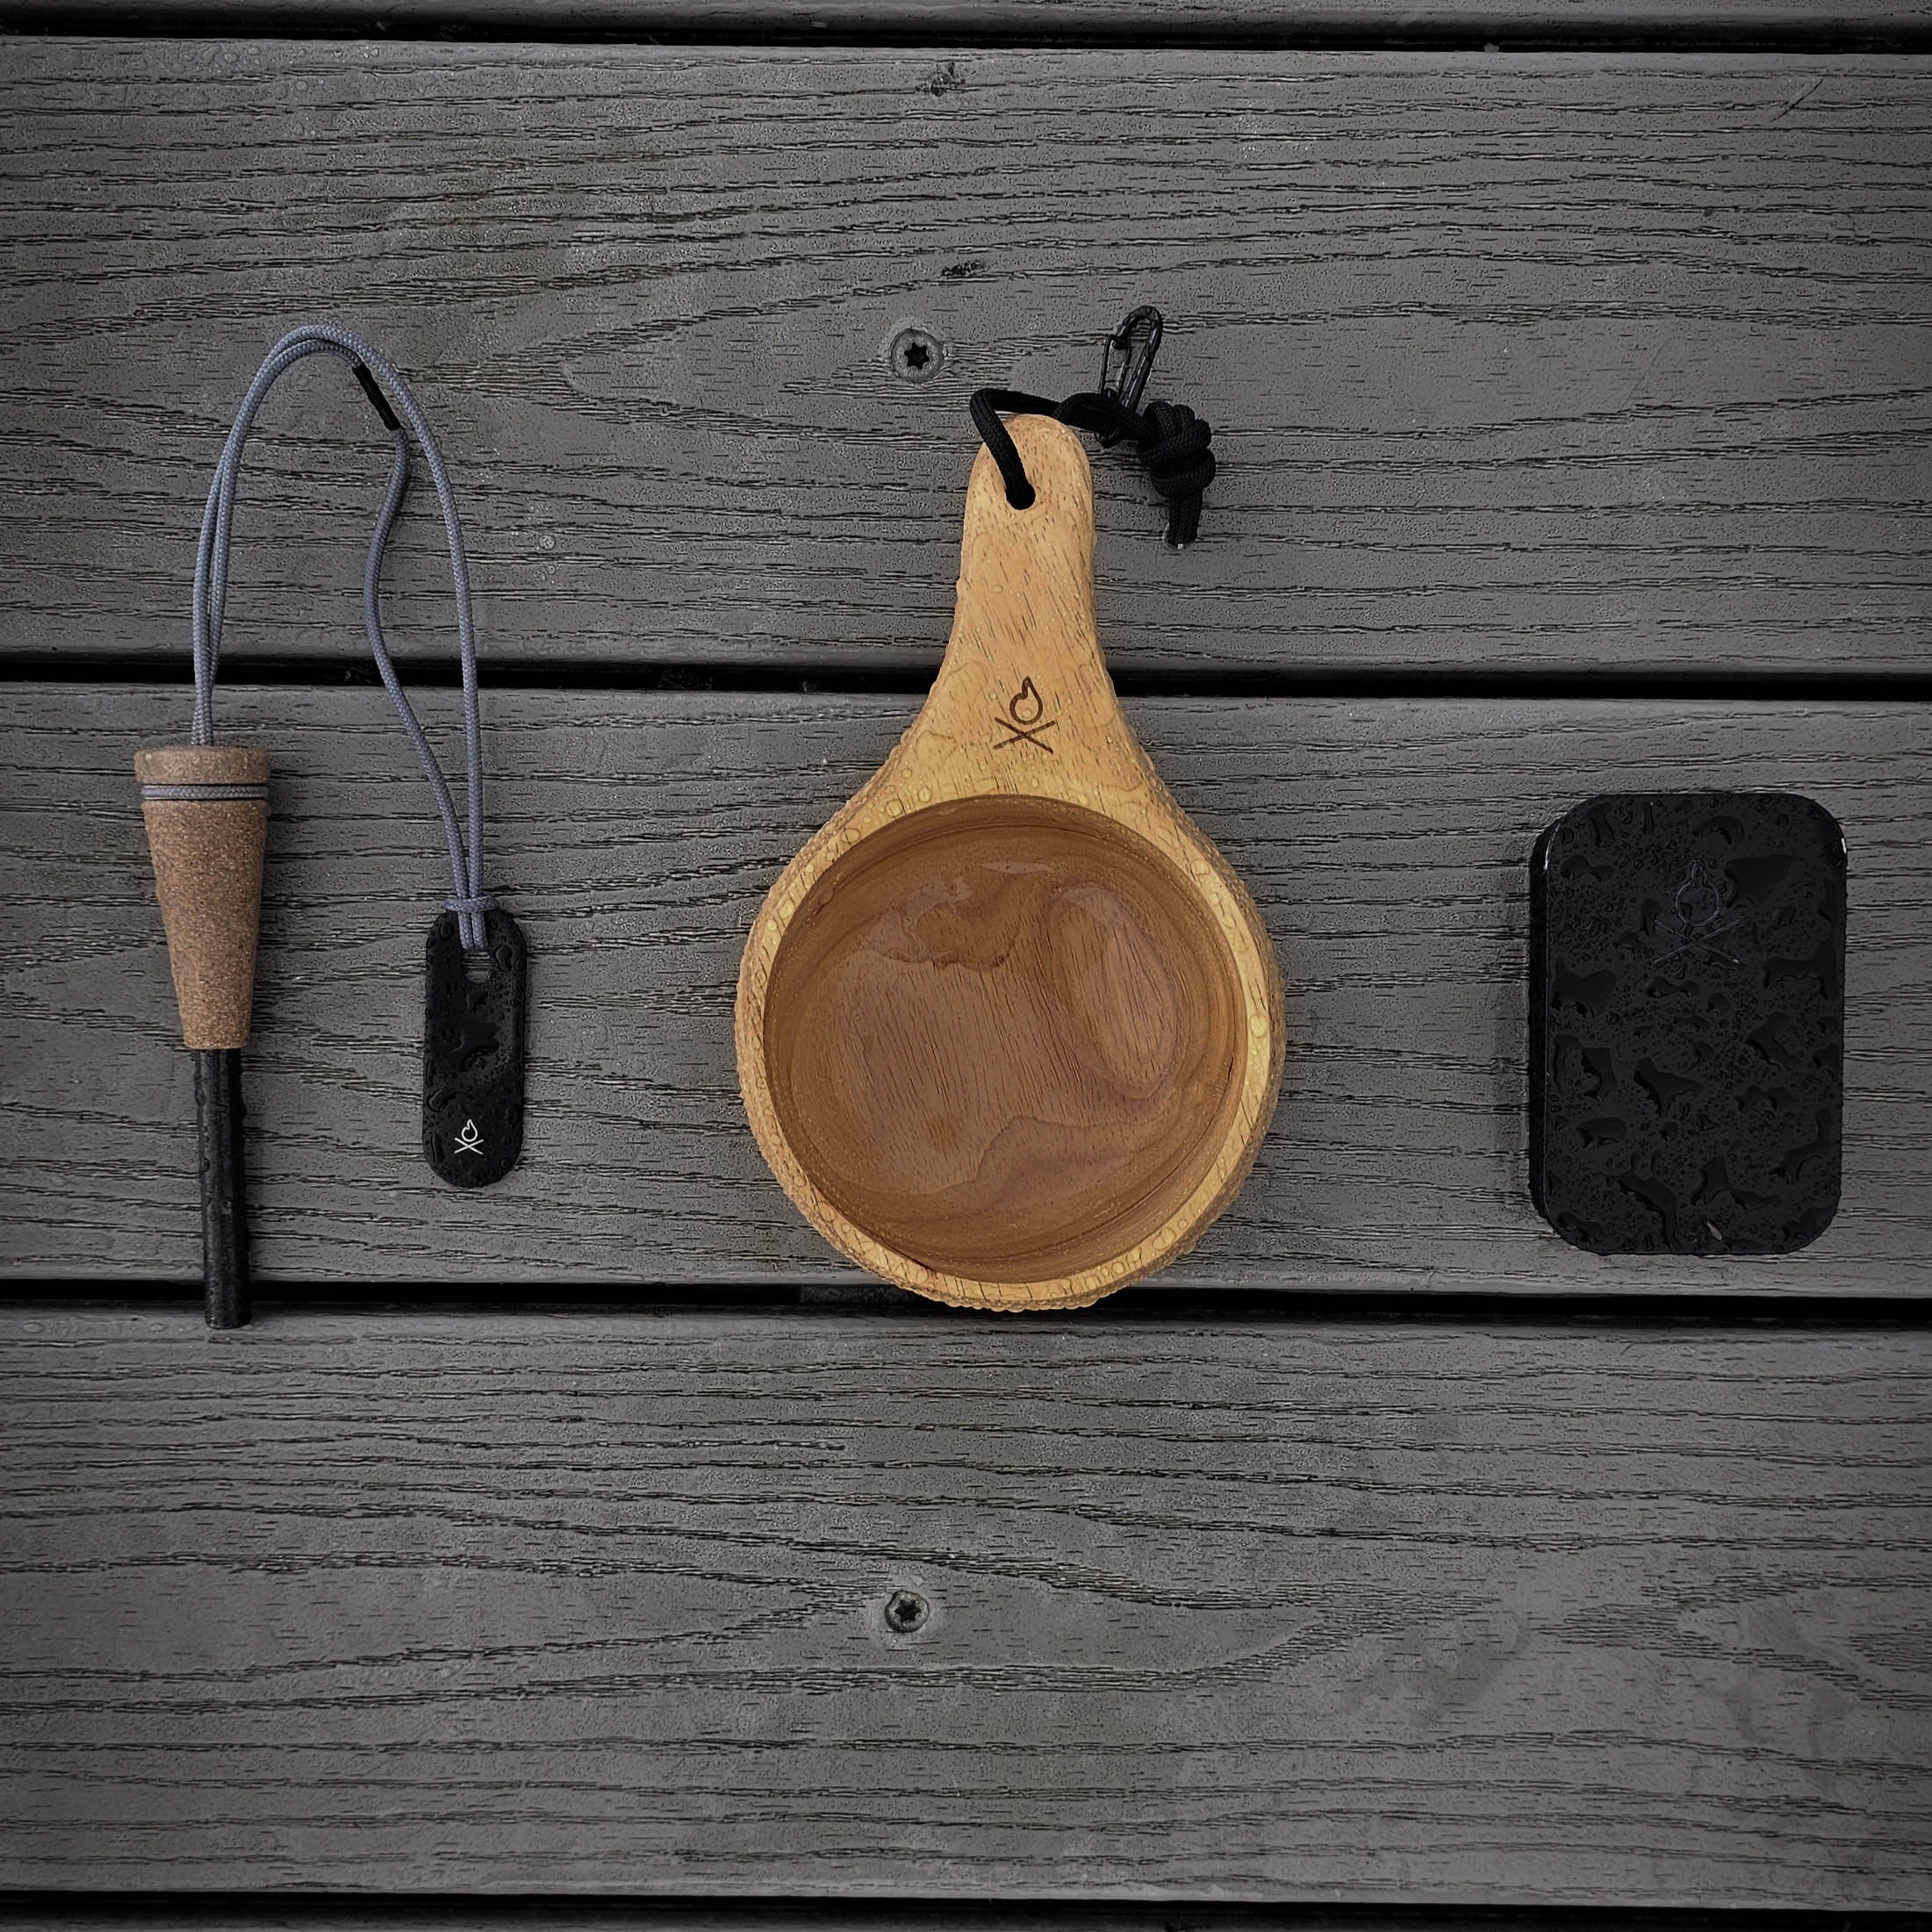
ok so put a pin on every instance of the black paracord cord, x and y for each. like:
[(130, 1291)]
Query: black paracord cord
[(1172, 442)]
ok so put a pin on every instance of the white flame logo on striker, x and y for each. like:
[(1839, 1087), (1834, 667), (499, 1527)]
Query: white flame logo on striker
[(468, 1139)]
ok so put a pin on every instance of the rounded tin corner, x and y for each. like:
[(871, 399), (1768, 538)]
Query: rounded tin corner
[(1825, 820)]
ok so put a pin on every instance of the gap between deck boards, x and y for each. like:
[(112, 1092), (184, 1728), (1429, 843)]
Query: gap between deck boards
[(1144, 1306), (995, 25), (1850, 685)]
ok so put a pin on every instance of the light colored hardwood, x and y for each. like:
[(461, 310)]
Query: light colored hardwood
[(1386, 842), (1009, 1027), (1233, 1609), (1518, 364)]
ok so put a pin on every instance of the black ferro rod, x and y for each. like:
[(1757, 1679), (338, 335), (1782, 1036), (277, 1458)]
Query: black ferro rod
[(224, 1194)]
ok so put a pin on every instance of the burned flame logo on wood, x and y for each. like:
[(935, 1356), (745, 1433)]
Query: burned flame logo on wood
[(1025, 721)]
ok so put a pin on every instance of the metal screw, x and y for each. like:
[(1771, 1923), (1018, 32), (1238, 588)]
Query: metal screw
[(915, 354), (906, 1610)]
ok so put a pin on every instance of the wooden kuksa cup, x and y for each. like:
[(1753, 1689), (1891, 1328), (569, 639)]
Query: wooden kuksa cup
[(206, 808), (1009, 1028)]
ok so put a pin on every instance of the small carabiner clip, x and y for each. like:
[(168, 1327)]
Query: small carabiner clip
[(1137, 341)]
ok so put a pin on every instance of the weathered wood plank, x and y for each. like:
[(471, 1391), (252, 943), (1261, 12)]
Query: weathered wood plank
[(1394, 20), (1258, 1612), (1386, 843), (1521, 363)]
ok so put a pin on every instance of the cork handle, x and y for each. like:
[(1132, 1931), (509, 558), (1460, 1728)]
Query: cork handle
[(207, 813)]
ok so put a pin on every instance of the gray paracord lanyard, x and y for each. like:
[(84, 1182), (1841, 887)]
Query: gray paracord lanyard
[(475, 997), (397, 406)]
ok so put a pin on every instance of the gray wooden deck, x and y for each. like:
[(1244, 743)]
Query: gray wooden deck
[(1576, 402), (1523, 366), (540, 1601)]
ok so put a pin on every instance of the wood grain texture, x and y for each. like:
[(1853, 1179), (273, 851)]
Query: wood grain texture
[(1247, 1611), (1386, 843), (1009, 1027), (1517, 363), (1396, 21)]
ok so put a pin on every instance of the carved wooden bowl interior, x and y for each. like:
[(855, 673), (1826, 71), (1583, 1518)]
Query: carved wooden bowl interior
[(1004, 1038)]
